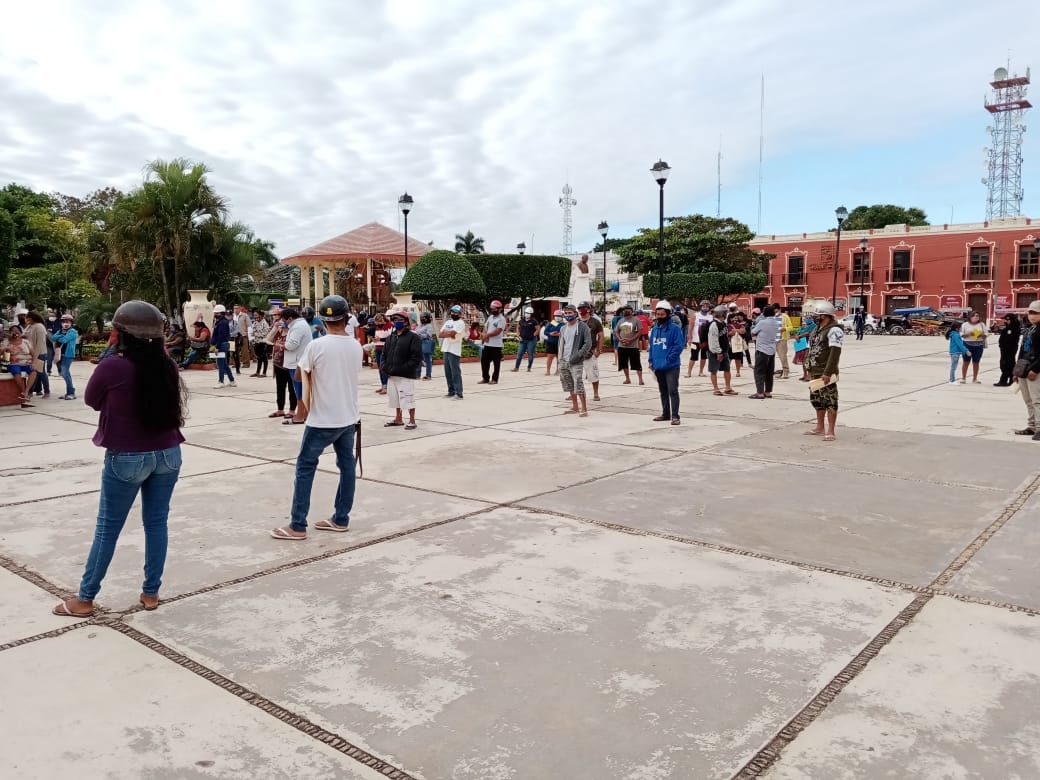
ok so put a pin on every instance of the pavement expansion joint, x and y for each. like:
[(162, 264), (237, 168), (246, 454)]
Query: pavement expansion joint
[(275, 710), (768, 755), (78, 625)]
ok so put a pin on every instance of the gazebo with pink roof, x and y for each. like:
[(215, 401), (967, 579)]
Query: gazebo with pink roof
[(369, 244)]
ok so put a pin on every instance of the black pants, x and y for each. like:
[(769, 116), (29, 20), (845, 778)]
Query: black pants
[(283, 380), (490, 356), (1007, 364), (261, 350), (238, 353), (764, 365), (668, 385)]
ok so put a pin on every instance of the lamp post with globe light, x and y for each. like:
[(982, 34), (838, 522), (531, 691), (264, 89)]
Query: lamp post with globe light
[(405, 203), (660, 171), (842, 214)]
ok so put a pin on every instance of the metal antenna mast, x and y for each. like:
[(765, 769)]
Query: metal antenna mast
[(1003, 180), (567, 202), (718, 189)]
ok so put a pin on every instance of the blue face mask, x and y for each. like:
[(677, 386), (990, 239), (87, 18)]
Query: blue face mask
[(398, 324), (570, 317)]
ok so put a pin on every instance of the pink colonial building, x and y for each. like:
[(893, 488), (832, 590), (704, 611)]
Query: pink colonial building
[(985, 266)]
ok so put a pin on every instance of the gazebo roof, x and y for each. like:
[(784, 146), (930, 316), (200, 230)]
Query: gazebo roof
[(368, 242)]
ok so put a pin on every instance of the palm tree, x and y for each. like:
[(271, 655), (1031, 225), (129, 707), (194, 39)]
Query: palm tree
[(469, 244), (162, 220)]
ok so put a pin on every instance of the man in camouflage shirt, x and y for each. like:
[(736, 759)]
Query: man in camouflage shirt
[(822, 363)]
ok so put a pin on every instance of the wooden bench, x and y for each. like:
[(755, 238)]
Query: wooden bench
[(9, 390)]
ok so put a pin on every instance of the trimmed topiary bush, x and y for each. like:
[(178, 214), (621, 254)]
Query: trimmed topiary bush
[(441, 275)]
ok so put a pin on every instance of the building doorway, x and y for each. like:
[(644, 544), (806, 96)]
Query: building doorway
[(979, 302), (760, 301), (893, 302)]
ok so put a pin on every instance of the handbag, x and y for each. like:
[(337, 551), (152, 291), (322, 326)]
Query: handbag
[(199, 344), (802, 343), (1021, 369)]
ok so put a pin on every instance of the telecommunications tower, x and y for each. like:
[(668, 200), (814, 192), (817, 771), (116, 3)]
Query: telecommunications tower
[(567, 202), (1003, 179)]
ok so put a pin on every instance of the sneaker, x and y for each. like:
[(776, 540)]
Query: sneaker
[(1036, 437), (458, 397), (675, 421), (232, 384), (218, 386), (68, 397), (953, 381)]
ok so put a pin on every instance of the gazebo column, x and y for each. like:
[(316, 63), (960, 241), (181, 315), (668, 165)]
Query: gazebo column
[(368, 281), (305, 283)]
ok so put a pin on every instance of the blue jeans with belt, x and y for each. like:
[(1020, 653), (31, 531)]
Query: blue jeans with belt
[(315, 441), (153, 475)]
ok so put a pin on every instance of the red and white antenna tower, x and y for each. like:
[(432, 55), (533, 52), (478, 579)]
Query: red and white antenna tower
[(1003, 181)]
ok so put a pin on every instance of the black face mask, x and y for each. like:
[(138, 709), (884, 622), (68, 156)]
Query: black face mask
[(665, 318), (455, 316)]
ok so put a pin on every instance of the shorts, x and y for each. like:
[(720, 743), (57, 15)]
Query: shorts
[(628, 357), (591, 369), (552, 349), (736, 355), (16, 370), (715, 365), (975, 352), (824, 399), (570, 378), (698, 352), (400, 392)]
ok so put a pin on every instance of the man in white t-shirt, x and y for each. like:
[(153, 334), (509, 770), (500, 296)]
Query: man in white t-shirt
[(491, 354), (330, 369), (352, 325), (452, 333)]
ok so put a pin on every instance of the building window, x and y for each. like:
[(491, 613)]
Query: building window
[(901, 266), (1028, 265), (795, 270), (978, 263), (1023, 299), (600, 275), (861, 267)]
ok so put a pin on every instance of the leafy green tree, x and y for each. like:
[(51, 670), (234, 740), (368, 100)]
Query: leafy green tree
[(522, 276), (441, 275), (611, 245), (468, 244), (95, 311), (27, 209), (880, 215), (693, 244), (712, 285), (7, 246), (160, 220)]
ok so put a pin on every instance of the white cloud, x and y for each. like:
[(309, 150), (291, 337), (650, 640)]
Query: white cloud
[(315, 116)]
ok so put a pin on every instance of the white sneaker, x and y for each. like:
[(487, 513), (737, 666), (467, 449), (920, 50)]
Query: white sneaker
[(218, 386), (232, 384), (953, 381)]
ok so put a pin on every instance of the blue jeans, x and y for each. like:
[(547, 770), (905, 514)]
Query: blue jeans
[(297, 383), (383, 377), (427, 356), (955, 360), (314, 442), (65, 368), (526, 347), (195, 354), (154, 474), (453, 373), (222, 363)]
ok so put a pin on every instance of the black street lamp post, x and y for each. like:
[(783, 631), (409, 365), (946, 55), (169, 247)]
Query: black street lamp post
[(660, 172), (521, 247), (863, 243), (602, 227), (405, 203), (842, 214)]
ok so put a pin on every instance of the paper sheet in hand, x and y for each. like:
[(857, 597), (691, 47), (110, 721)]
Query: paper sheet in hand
[(817, 384)]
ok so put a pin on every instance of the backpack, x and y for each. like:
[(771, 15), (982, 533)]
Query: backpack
[(702, 332)]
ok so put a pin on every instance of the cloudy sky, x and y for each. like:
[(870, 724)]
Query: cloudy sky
[(315, 116)]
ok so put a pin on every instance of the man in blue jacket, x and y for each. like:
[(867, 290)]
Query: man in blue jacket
[(667, 342)]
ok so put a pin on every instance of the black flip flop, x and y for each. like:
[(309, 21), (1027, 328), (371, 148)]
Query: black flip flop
[(392, 424)]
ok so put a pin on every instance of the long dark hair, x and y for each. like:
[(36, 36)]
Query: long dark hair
[(1014, 324), (160, 397)]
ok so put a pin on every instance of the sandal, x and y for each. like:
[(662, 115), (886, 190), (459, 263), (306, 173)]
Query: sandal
[(290, 421), (718, 392), (328, 525), (62, 610), (410, 426), (731, 392), (285, 535), (1025, 432), (812, 433), (392, 424), (829, 437), (661, 418), (276, 414), (583, 414)]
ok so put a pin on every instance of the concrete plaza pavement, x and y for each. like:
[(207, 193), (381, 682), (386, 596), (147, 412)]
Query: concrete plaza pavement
[(528, 594)]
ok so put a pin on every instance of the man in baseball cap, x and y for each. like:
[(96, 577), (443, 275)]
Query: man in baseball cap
[(591, 364), (491, 354)]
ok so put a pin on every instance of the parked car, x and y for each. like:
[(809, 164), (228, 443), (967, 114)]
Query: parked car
[(920, 319), (849, 323)]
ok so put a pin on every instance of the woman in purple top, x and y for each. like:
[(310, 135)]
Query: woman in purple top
[(142, 403)]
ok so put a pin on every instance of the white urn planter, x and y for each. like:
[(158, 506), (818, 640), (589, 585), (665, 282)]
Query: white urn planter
[(198, 304)]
